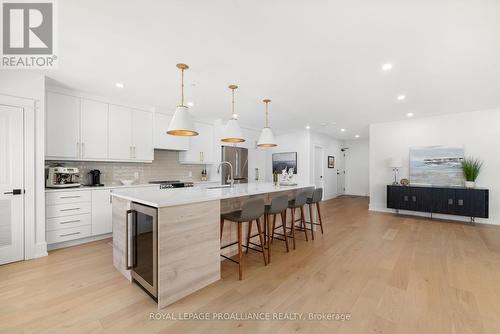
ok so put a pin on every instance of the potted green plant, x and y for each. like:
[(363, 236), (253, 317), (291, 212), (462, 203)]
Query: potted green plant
[(471, 168)]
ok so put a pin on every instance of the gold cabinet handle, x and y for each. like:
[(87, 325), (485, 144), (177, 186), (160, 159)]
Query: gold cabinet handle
[(72, 209)]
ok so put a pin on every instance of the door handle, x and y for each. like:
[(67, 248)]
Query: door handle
[(127, 265), (460, 202), (14, 192)]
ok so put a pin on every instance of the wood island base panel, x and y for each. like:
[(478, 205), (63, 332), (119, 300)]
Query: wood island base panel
[(188, 232)]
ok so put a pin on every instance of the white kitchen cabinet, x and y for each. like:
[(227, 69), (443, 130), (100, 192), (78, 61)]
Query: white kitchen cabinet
[(120, 133), (142, 135), (164, 141), (130, 134), (94, 130), (201, 147), (101, 211), (62, 126)]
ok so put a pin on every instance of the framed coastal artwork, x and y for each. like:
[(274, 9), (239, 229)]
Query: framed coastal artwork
[(436, 165), (284, 160)]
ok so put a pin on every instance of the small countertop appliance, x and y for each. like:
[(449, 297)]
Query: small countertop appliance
[(63, 177), (95, 178)]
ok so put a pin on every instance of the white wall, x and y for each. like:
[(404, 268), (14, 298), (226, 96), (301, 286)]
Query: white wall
[(357, 167), (330, 179), (31, 85), (478, 132), (292, 142), (303, 143)]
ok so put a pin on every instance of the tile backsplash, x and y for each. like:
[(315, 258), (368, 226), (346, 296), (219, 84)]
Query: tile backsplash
[(165, 166)]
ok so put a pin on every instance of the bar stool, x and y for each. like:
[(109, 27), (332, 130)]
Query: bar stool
[(250, 212), (316, 197), (298, 203), (278, 205)]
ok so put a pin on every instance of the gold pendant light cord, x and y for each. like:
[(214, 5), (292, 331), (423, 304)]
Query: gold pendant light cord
[(182, 87), (232, 106), (267, 115)]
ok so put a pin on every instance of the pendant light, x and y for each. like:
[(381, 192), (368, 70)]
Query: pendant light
[(266, 138), (232, 133), (181, 124)]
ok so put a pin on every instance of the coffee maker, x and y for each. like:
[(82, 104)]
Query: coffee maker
[(62, 177), (95, 178)]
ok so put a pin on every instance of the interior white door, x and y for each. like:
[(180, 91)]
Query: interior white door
[(120, 133), (318, 167), (94, 128), (11, 185), (62, 126), (142, 135)]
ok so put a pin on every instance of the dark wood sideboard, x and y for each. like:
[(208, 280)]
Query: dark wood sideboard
[(457, 201)]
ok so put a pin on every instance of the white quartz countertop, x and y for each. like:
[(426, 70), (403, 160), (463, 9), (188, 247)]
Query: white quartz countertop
[(83, 187), (180, 196)]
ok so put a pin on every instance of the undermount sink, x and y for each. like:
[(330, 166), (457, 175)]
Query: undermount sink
[(219, 187)]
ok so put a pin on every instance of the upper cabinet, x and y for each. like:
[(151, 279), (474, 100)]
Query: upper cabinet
[(201, 147), (62, 126), (94, 130), (142, 135), (164, 141), (83, 129), (120, 133)]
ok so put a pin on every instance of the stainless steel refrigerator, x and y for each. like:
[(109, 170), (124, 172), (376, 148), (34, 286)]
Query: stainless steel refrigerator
[(238, 157)]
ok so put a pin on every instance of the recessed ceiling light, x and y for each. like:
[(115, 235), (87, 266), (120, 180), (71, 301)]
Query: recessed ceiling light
[(119, 84), (410, 114), (387, 67), (356, 136), (190, 104), (307, 127), (235, 116), (323, 124), (401, 97), (342, 130)]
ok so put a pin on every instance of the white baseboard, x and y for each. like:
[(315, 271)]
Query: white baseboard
[(78, 241), (41, 249)]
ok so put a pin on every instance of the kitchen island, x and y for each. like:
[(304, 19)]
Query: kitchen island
[(186, 249)]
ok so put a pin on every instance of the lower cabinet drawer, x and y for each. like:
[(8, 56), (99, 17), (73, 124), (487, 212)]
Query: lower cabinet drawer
[(68, 234), (59, 223), (64, 210)]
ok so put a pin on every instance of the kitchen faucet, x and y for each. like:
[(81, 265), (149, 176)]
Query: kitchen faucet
[(230, 179)]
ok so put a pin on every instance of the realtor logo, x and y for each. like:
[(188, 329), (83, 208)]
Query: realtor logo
[(28, 35)]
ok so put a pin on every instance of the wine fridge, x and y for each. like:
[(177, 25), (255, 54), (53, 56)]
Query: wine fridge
[(142, 247)]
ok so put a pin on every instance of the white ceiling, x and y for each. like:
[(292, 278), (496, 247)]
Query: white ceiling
[(319, 61)]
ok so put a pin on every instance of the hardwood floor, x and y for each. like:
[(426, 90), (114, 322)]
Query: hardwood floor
[(393, 274)]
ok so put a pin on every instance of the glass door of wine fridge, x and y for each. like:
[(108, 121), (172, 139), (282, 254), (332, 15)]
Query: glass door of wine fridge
[(144, 248)]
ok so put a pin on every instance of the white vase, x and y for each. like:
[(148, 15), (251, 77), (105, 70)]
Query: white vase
[(470, 184)]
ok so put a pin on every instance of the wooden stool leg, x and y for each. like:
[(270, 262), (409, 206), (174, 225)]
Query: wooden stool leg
[(283, 224), (272, 230), (311, 220), (269, 238), (249, 233), (221, 227), (303, 221), (293, 226), (259, 228), (240, 251), (319, 217)]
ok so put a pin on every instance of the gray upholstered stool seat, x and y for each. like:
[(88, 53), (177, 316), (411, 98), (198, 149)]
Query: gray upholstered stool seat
[(250, 212), (314, 199), (278, 206), (298, 203)]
